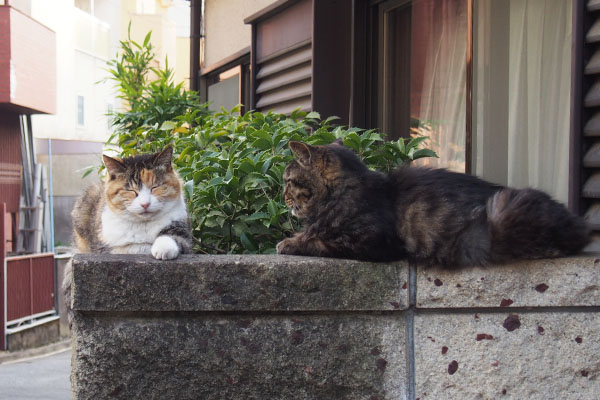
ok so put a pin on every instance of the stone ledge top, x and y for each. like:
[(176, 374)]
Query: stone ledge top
[(115, 282), (558, 282)]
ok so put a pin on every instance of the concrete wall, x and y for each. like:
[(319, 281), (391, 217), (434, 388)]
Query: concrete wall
[(281, 327)]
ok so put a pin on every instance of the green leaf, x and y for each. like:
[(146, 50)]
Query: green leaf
[(415, 142), (189, 188), (424, 153), (168, 125), (248, 241), (147, 39), (257, 216)]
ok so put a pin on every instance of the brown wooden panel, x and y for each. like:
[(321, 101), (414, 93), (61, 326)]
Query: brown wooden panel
[(301, 73), (291, 60), (289, 27), (300, 89), (302, 103)]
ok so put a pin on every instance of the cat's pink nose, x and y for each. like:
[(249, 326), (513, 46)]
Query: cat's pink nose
[(145, 205)]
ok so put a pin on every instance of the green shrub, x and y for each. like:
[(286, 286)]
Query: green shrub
[(232, 164), (148, 102)]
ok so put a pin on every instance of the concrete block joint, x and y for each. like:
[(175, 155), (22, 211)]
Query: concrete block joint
[(283, 327)]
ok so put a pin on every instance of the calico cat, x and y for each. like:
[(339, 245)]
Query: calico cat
[(139, 209), (427, 216)]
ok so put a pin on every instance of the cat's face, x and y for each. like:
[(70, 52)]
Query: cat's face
[(309, 178), (141, 186)]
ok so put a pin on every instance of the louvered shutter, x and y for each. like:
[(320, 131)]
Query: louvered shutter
[(591, 131), (283, 82)]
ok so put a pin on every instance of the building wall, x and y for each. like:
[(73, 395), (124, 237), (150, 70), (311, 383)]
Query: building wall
[(28, 62), (182, 70), (84, 45), (224, 28), (10, 161)]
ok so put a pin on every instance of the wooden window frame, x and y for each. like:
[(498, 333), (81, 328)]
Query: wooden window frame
[(368, 61), (237, 63)]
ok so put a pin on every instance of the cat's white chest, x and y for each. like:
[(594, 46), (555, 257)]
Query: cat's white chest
[(130, 236)]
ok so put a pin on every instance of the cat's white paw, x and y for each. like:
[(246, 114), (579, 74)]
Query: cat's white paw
[(164, 248)]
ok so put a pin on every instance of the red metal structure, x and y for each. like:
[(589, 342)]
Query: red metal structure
[(27, 288), (2, 257)]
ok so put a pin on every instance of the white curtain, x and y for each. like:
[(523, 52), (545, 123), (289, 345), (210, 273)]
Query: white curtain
[(530, 134), (439, 38), (539, 95)]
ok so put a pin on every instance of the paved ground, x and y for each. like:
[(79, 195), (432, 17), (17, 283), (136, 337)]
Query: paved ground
[(44, 377)]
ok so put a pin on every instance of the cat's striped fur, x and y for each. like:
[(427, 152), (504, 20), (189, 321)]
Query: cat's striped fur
[(428, 216)]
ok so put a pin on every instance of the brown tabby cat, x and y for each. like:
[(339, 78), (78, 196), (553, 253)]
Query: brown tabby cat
[(428, 216), (139, 209)]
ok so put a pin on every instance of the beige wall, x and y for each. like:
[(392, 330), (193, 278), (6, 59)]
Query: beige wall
[(166, 39), (182, 72), (83, 45), (224, 27)]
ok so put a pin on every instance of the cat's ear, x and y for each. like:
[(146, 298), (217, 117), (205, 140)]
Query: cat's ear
[(113, 166), (164, 158), (339, 141), (304, 152)]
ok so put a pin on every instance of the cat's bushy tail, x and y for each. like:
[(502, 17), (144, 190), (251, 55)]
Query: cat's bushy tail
[(527, 223)]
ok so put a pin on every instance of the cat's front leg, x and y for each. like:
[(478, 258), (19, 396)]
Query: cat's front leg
[(287, 246), (164, 248), (300, 245)]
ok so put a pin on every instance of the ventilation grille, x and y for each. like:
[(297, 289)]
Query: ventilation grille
[(591, 159), (284, 82)]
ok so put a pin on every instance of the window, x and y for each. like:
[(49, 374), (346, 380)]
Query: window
[(522, 79), (227, 84), (224, 89), (396, 82), (419, 76), (80, 111), (515, 131)]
